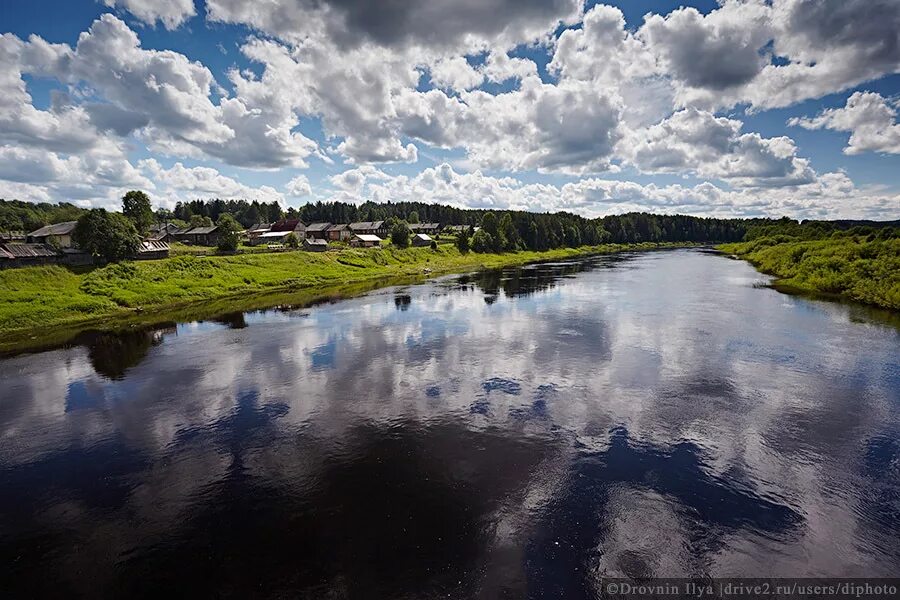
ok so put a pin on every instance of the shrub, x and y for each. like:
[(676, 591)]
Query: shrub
[(400, 235)]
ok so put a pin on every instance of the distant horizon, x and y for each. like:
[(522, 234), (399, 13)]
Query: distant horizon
[(732, 109)]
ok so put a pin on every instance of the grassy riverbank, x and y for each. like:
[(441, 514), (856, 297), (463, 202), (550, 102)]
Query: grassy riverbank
[(36, 301), (862, 269)]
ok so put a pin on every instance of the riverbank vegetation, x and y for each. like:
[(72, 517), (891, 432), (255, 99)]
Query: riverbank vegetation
[(859, 263), (34, 300)]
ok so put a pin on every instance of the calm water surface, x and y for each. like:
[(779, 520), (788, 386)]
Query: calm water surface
[(511, 434)]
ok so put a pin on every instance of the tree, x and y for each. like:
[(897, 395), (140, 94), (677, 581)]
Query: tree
[(462, 241), (228, 233), (489, 223), (413, 217), (482, 241), (400, 235), (200, 221), (508, 234), (109, 235), (292, 241), (136, 206)]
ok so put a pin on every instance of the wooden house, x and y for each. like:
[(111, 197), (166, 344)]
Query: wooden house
[(315, 245), (318, 231), (339, 233), (420, 240), (59, 234), (370, 227)]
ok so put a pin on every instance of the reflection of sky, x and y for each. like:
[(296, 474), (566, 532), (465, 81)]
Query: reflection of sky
[(667, 416)]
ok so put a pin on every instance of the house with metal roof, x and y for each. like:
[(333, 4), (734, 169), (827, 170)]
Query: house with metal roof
[(152, 249), (365, 240), (421, 239), (58, 234)]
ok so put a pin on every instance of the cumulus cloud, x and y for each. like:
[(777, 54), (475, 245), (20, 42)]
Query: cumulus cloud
[(870, 119), (455, 73), (728, 56), (299, 187), (695, 141), (171, 13), (441, 23), (188, 183), (717, 51)]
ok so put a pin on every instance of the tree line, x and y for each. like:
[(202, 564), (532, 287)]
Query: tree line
[(117, 235)]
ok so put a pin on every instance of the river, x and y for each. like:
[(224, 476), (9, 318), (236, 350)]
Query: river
[(519, 433)]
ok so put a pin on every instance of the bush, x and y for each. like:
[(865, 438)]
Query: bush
[(292, 241)]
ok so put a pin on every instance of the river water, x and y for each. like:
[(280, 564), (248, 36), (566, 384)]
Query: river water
[(520, 433)]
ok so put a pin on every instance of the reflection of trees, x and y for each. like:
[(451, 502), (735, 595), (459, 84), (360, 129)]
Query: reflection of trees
[(235, 320), (402, 301), (112, 354)]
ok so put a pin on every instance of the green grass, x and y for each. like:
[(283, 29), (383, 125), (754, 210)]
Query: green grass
[(856, 268), (37, 302)]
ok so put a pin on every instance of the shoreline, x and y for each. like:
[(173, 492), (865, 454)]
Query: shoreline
[(327, 278), (790, 277)]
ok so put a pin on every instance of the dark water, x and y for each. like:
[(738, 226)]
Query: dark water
[(514, 434)]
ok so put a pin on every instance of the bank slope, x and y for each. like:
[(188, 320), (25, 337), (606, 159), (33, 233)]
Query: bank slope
[(859, 269), (35, 299)]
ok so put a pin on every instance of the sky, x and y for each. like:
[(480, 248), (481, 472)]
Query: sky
[(728, 109)]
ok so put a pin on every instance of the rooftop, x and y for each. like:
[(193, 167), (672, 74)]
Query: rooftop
[(318, 226), (64, 228)]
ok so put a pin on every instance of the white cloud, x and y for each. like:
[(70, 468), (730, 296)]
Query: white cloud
[(446, 24), (455, 74), (171, 13), (189, 183), (695, 141), (299, 187), (725, 58), (871, 121)]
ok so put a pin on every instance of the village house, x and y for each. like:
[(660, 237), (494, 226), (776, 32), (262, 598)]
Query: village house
[(163, 233), (318, 231), (26, 255), (290, 225), (252, 233), (370, 227), (426, 228), (152, 249), (421, 239), (315, 245), (365, 240), (203, 236), (59, 234), (339, 233)]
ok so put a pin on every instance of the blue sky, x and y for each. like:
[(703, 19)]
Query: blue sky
[(598, 108)]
